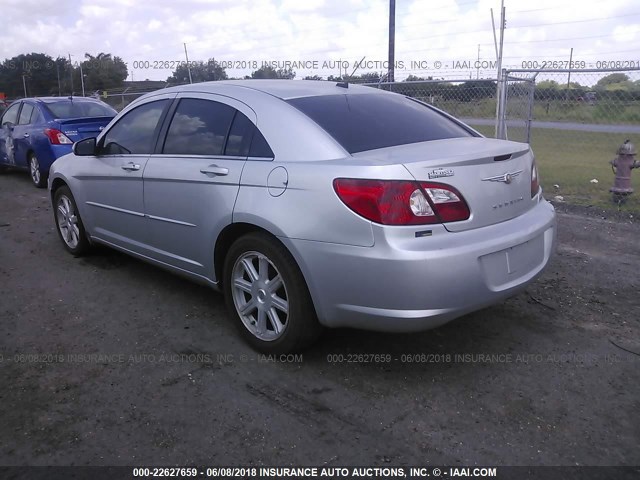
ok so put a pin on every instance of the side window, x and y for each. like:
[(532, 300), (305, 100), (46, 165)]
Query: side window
[(25, 114), (198, 127), (134, 132), (240, 136), (260, 147), (246, 140), (11, 115)]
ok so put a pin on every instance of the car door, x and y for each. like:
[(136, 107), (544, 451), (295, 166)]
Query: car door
[(113, 188), (8, 123), (22, 134), (191, 182)]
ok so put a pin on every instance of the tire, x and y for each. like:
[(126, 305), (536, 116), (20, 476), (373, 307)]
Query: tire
[(38, 178), (68, 222), (277, 318)]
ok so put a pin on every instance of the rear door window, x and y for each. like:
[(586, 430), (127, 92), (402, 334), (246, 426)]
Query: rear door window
[(199, 127), (361, 122)]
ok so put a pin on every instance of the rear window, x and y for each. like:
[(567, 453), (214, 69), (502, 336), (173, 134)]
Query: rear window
[(369, 121), (71, 109)]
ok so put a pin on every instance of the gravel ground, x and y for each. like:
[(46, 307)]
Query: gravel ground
[(106, 360)]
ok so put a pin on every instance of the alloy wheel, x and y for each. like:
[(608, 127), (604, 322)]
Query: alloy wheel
[(67, 222), (260, 296), (34, 169)]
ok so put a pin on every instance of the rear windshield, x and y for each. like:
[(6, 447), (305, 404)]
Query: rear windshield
[(71, 109), (369, 121)]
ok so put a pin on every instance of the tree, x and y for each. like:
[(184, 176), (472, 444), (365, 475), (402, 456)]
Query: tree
[(38, 71), (268, 71), (313, 77), (102, 72), (414, 78), (610, 79), (476, 89), (371, 77), (548, 84), (209, 71)]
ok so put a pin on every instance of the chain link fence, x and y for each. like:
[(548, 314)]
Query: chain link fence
[(590, 101), (473, 101), (121, 97), (575, 120)]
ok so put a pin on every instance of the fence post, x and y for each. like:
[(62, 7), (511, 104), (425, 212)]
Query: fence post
[(501, 130), (498, 100), (532, 89)]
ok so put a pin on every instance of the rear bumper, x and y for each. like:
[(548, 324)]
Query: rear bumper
[(404, 283), (47, 154)]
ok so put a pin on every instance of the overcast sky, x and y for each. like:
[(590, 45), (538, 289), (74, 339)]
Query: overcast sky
[(436, 33)]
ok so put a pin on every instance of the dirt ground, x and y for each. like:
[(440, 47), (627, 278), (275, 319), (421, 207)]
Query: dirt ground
[(106, 360)]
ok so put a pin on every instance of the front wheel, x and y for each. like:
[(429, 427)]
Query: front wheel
[(39, 179), (268, 297), (70, 227)]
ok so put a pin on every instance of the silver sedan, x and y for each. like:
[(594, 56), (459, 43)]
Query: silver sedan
[(310, 204)]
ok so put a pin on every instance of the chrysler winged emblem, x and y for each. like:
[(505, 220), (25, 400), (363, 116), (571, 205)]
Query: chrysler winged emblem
[(505, 177)]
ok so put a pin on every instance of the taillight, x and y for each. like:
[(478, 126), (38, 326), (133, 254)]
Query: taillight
[(400, 202), (535, 181), (447, 202), (56, 137)]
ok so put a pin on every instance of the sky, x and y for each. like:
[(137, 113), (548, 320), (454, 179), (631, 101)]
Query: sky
[(439, 38)]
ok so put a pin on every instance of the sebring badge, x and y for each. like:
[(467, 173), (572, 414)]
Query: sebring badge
[(505, 177), (440, 172)]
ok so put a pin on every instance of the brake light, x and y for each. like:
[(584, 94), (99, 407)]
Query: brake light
[(447, 202), (56, 137), (400, 202), (535, 181)]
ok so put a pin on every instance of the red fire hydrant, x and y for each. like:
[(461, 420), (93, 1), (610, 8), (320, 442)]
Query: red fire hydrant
[(622, 166)]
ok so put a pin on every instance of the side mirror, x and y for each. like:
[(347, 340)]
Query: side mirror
[(85, 148)]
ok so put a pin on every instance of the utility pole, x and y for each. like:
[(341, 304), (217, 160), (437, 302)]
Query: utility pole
[(24, 85), (82, 78), (188, 66), (58, 74), (569, 75), (71, 74), (392, 39)]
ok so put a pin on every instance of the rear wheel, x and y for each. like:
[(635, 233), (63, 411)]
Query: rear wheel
[(70, 227), (39, 179), (267, 296)]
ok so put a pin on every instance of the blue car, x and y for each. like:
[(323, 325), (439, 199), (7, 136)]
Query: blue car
[(37, 131)]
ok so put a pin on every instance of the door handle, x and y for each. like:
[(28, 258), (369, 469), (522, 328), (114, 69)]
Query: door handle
[(215, 170), (131, 167), (26, 135)]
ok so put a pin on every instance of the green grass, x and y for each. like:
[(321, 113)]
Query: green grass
[(571, 159)]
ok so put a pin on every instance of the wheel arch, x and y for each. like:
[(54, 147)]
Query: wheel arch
[(55, 185), (225, 239), (236, 230)]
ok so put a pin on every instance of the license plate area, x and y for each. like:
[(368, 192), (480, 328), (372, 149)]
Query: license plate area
[(504, 267)]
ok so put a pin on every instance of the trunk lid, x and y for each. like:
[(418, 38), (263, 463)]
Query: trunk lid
[(84, 127), (493, 176)]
